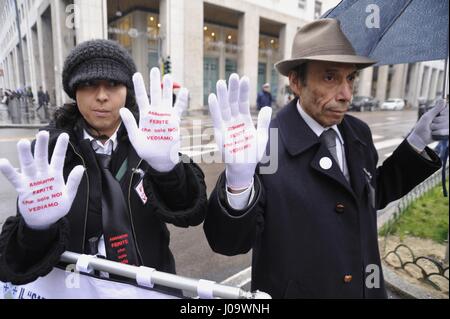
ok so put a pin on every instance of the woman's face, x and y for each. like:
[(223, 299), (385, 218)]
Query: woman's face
[(99, 102)]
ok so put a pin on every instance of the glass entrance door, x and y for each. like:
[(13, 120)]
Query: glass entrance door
[(210, 77)]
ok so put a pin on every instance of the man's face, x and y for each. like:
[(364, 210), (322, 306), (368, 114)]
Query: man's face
[(99, 102), (327, 93)]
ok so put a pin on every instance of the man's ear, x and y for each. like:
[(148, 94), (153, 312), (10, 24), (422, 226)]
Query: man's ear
[(295, 83)]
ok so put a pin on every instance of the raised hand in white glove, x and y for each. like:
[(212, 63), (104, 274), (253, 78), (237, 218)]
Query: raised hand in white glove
[(44, 197), (157, 138), (433, 122), (241, 145)]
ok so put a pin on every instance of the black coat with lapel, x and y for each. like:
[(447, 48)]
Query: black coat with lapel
[(177, 197), (313, 234)]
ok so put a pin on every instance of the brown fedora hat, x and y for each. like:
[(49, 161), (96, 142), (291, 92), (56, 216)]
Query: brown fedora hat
[(322, 40)]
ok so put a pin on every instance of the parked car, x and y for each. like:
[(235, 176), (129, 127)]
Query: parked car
[(393, 104), (363, 103)]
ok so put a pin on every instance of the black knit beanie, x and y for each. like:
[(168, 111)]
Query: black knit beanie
[(97, 60)]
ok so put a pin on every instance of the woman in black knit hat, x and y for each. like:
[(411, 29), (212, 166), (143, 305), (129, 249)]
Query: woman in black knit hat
[(115, 176)]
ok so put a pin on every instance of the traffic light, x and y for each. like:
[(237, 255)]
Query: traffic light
[(167, 66)]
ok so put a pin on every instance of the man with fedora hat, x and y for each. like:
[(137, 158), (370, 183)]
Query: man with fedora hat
[(312, 224)]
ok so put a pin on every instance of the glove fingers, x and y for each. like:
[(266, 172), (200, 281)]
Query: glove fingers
[(141, 94), (181, 102), (244, 104), (130, 124), (167, 92), (262, 130), (233, 94), (218, 139), (73, 181), (442, 132), (59, 153), (10, 173), (214, 110), (438, 108), (222, 96), (216, 117), (264, 118), (438, 127), (26, 158), (440, 119), (155, 87), (244, 101), (41, 152)]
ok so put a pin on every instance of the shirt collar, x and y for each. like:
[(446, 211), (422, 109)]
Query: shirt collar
[(315, 126), (107, 148)]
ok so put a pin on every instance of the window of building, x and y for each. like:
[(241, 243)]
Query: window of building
[(317, 9), (302, 4), (231, 40), (230, 67), (268, 46), (123, 31), (153, 28), (119, 31), (212, 38)]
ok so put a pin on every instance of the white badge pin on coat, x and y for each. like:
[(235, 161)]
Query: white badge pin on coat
[(325, 163)]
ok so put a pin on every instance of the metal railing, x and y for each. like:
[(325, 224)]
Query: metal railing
[(391, 216)]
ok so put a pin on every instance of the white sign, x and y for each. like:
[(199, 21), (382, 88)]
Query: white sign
[(60, 284)]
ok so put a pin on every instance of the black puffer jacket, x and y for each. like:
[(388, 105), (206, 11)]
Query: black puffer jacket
[(177, 197)]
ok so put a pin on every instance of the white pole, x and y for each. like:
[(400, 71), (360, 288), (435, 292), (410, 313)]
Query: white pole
[(164, 279)]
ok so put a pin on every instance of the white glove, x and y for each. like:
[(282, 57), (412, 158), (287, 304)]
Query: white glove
[(157, 139), (433, 122), (44, 198), (241, 145)]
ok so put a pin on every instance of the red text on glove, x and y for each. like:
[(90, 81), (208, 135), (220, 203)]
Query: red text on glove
[(42, 182)]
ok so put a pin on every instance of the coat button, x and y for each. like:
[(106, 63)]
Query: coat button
[(348, 278), (340, 208)]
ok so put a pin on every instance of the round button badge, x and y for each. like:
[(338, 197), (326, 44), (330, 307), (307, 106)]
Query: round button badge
[(325, 163)]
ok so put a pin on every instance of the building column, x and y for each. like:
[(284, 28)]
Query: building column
[(405, 79), (6, 74), (425, 82), (182, 39), (63, 42), (249, 51), (383, 73), (193, 51), (440, 83), (365, 82), (171, 17), (287, 35), (433, 84), (20, 81), (12, 74), (419, 80), (36, 64), (397, 82), (2, 76), (139, 45), (93, 22), (46, 57), (26, 61), (413, 90), (7, 77)]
